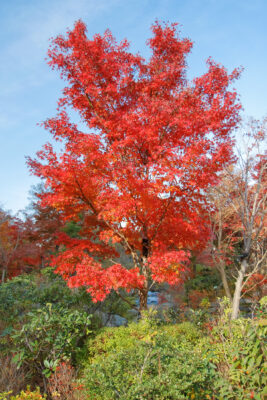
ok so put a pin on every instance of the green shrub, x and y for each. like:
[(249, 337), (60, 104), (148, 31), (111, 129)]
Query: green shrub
[(149, 360), (29, 292), (50, 335), (206, 279), (240, 357), (16, 296), (146, 361)]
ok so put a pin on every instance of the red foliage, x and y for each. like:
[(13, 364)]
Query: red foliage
[(25, 244), (195, 297), (138, 178), (62, 385), (17, 253), (256, 286)]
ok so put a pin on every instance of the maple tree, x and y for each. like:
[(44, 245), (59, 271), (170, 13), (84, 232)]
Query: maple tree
[(27, 242), (9, 241), (136, 176), (17, 253)]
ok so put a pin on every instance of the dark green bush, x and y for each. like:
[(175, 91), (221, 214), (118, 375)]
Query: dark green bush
[(48, 336), (29, 292), (206, 279)]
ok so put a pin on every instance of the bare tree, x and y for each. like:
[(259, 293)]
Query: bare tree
[(240, 218), (224, 233)]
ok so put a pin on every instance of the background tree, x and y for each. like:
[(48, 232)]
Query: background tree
[(239, 222), (10, 240), (225, 231), (157, 142), (251, 185), (26, 243), (43, 225)]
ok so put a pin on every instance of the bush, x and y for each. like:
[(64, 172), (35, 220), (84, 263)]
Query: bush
[(206, 279), (16, 296), (240, 356), (29, 292), (149, 360), (146, 361), (23, 311), (50, 335)]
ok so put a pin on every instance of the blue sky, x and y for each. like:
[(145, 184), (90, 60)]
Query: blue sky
[(232, 32)]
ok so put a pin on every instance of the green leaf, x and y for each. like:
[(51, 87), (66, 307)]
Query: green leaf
[(16, 358)]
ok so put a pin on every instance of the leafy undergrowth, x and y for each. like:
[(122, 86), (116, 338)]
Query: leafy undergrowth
[(152, 361), (146, 361), (155, 360), (23, 395)]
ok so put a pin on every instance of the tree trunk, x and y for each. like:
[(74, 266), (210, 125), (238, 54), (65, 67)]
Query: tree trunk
[(143, 299), (4, 273), (221, 269), (238, 288), (143, 293)]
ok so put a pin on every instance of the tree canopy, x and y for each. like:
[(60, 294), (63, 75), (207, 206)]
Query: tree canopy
[(154, 142)]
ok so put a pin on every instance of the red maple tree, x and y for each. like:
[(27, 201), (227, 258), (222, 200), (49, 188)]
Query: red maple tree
[(18, 252), (138, 176)]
